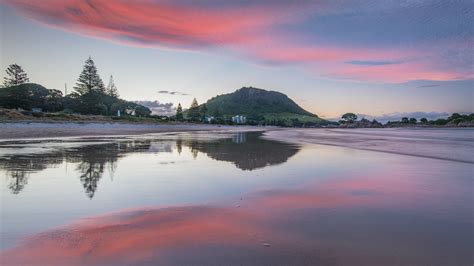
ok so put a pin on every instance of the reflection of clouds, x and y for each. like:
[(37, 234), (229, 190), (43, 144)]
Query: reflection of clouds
[(133, 237), (286, 219)]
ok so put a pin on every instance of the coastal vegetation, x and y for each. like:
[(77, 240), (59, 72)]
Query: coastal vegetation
[(90, 95), (459, 120), (91, 100), (350, 120)]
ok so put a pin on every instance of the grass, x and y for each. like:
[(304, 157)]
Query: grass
[(290, 116), (15, 115)]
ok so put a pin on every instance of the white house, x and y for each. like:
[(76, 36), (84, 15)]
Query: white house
[(239, 119), (209, 119)]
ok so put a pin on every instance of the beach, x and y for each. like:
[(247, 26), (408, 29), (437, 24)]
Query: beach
[(29, 130), (433, 143), (212, 197), (453, 144)]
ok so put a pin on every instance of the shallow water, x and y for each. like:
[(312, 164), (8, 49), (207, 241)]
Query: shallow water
[(230, 199)]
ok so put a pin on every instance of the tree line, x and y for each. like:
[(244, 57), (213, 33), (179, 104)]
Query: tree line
[(90, 95), (455, 119), (193, 114)]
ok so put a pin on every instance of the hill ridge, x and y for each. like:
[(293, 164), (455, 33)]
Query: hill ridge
[(267, 100), (261, 107)]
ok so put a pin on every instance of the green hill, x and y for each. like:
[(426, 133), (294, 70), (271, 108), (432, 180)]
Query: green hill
[(261, 106)]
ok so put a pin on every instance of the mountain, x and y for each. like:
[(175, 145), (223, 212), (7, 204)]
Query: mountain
[(261, 106)]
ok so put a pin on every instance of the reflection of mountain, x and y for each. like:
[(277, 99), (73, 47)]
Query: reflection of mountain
[(246, 150)]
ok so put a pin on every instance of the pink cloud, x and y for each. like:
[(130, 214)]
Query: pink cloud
[(252, 30), (395, 73), (164, 23)]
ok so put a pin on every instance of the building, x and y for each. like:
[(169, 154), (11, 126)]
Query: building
[(239, 119), (209, 119)]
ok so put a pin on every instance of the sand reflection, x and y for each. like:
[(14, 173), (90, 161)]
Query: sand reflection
[(330, 223)]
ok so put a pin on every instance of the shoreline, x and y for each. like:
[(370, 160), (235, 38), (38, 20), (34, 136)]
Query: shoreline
[(431, 143), (51, 130)]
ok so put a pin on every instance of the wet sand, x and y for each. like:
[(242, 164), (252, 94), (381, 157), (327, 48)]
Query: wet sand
[(180, 199), (377, 220), (22, 130), (453, 144), (428, 143)]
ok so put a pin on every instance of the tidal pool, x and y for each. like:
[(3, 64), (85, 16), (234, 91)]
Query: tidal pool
[(229, 199)]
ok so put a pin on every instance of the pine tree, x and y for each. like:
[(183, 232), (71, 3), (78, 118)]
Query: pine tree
[(179, 112), (111, 88), (193, 112), (89, 80), (16, 76)]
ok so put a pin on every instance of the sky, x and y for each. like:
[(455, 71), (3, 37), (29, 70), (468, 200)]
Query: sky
[(375, 58)]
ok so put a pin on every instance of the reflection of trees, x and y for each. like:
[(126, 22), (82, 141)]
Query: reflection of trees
[(92, 161), (246, 150), (18, 182), (179, 145), (19, 167), (90, 176)]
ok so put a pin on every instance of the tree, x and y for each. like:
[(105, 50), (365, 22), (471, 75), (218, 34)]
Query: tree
[(25, 96), (89, 80), (440, 122), (141, 110), (16, 76), (405, 120), (54, 101), (413, 120), (203, 110), (111, 88), (424, 120), (349, 117), (454, 116), (216, 113), (193, 112), (179, 112)]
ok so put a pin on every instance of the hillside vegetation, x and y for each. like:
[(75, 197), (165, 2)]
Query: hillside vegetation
[(249, 100), (261, 107)]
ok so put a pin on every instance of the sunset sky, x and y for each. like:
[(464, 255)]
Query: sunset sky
[(331, 57)]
